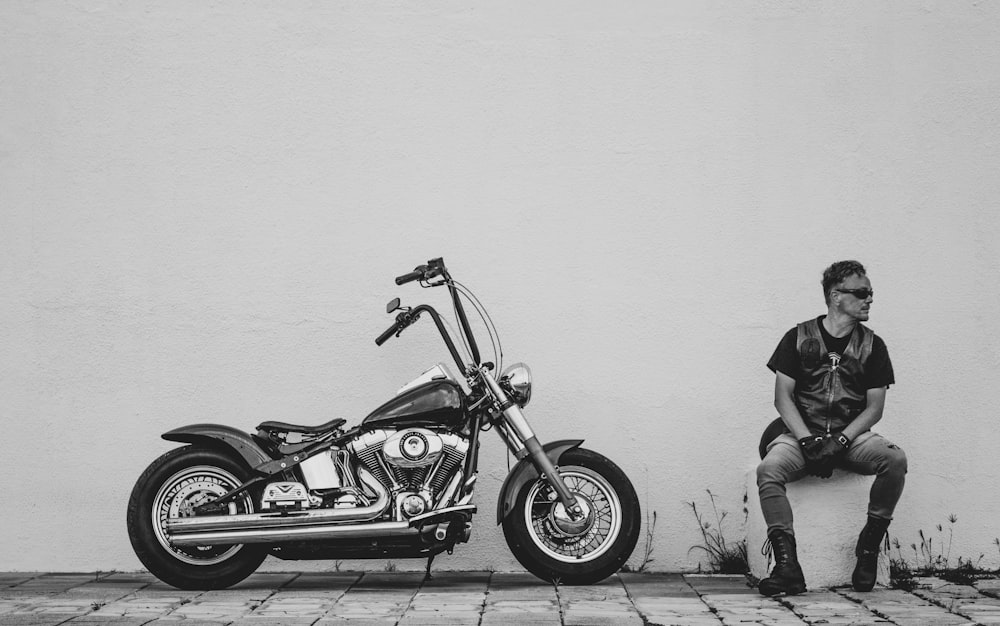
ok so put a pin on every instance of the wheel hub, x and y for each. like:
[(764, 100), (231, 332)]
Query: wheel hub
[(566, 524)]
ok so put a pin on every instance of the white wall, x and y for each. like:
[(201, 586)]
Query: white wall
[(202, 206)]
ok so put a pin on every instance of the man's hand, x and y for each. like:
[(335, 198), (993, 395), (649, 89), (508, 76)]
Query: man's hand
[(812, 450), (833, 447)]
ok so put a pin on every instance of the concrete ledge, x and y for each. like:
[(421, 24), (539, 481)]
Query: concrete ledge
[(829, 515)]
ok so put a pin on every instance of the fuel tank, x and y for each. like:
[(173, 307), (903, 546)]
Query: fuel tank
[(436, 403)]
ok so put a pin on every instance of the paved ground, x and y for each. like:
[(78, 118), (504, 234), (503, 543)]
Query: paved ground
[(481, 598)]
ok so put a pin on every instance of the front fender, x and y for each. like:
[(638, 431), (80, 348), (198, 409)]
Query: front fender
[(525, 471), (217, 435)]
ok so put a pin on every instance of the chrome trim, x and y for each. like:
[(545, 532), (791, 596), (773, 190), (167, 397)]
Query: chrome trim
[(308, 533), (180, 526), (423, 519)]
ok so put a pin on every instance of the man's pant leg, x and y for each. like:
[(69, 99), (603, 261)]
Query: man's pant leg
[(874, 455), (783, 464)]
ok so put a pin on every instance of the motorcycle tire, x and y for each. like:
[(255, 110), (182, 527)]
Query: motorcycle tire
[(552, 546), (170, 487)]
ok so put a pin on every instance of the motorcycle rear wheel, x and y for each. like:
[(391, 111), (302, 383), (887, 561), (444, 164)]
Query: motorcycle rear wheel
[(170, 487), (556, 548)]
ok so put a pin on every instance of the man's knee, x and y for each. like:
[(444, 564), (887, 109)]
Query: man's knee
[(770, 471), (895, 460)]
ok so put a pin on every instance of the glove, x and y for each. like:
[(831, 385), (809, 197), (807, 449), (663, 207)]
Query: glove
[(834, 446), (812, 450)]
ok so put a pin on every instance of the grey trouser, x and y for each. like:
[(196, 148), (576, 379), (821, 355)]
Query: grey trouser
[(870, 454)]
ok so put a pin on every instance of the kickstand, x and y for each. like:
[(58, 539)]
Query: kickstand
[(427, 574)]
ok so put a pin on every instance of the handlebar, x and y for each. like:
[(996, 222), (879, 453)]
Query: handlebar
[(434, 268), (384, 337), (412, 276)]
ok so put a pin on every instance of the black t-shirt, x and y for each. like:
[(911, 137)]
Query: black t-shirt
[(878, 368)]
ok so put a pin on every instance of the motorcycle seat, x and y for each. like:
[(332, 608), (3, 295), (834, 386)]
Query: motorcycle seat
[(284, 427)]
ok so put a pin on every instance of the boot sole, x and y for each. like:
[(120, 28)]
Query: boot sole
[(792, 591)]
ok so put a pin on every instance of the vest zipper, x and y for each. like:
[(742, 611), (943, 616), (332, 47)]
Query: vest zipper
[(834, 374)]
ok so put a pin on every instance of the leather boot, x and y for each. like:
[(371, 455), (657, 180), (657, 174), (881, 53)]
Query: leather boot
[(869, 545), (786, 576)]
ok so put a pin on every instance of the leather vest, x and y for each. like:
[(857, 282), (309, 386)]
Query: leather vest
[(831, 392)]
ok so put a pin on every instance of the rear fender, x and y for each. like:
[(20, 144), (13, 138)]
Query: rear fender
[(219, 436), (525, 472)]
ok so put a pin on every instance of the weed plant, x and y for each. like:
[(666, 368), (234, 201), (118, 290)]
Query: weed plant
[(724, 557), (647, 552), (933, 558)]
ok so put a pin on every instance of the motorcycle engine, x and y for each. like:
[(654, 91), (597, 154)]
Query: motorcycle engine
[(414, 464)]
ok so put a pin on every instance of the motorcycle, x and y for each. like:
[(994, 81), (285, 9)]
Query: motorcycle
[(398, 485)]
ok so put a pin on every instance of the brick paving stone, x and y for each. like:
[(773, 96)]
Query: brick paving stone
[(356, 621), (160, 588), (990, 587), (128, 578), (970, 601), (265, 580), (746, 609), (667, 599), (54, 583), (214, 609), (512, 596), (60, 604), (735, 602), (514, 619), (656, 585), (829, 607), (372, 609), (606, 602), (951, 596), (8, 579), (170, 620), (427, 618), (325, 583), (508, 589), (473, 581), (268, 620), (390, 580), (498, 599), (137, 606), (281, 606), (720, 583), (904, 608), (31, 619), (93, 619)]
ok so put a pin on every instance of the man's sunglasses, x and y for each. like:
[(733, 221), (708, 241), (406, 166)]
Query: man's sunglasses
[(860, 294)]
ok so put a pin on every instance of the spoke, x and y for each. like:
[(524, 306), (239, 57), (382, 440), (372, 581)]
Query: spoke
[(596, 538)]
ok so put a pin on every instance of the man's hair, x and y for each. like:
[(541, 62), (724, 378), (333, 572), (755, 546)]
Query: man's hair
[(838, 273)]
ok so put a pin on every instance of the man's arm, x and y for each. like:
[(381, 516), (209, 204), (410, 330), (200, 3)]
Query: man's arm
[(784, 401), (870, 416)]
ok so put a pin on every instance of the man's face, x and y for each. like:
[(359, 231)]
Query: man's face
[(852, 304)]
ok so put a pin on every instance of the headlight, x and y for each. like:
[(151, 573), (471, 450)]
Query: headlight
[(516, 380)]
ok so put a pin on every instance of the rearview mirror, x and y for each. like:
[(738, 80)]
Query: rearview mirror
[(392, 305)]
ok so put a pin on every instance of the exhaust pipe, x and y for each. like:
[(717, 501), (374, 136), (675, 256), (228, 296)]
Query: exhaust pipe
[(420, 525), (307, 533), (179, 528)]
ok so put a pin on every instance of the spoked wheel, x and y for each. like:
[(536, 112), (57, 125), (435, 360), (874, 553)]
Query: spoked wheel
[(172, 486), (553, 545)]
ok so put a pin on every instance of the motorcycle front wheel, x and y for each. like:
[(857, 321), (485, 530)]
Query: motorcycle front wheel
[(171, 487), (555, 547)]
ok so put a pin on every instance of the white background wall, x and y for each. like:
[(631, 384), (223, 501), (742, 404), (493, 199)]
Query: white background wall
[(203, 205)]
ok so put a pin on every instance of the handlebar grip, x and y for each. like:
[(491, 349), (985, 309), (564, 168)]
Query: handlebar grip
[(414, 275), (384, 337)]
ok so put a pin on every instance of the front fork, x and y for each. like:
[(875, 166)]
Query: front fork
[(521, 440)]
